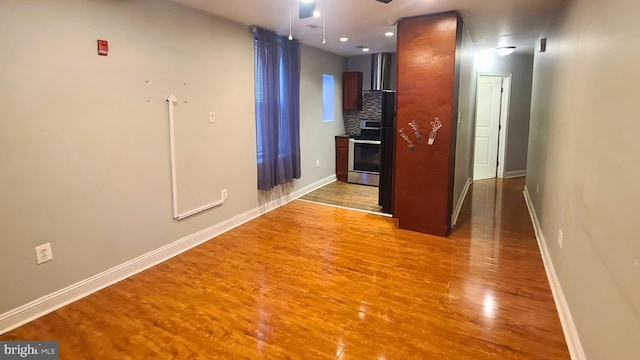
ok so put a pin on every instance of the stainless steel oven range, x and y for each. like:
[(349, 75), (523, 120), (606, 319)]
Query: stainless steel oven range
[(364, 155)]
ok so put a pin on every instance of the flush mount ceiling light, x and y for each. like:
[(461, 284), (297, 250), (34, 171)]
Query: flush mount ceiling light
[(506, 50), (365, 49), (388, 34), (344, 39)]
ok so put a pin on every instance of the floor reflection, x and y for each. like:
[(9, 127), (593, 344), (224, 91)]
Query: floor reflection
[(490, 243), (314, 282)]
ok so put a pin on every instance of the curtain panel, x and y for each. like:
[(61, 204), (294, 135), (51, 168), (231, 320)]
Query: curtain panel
[(277, 91)]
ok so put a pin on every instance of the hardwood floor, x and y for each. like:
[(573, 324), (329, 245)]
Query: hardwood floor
[(347, 195), (308, 281)]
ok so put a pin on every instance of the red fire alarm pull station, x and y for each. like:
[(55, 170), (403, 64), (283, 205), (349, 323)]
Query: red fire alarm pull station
[(103, 47)]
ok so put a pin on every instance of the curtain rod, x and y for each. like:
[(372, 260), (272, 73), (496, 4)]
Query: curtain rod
[(254, 28)]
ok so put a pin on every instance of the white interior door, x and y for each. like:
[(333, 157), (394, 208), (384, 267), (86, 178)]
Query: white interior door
[(485, 163)]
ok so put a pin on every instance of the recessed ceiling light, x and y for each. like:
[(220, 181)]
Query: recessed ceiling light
[(316, 13), (344, 39), (365, 49), (388, 33)]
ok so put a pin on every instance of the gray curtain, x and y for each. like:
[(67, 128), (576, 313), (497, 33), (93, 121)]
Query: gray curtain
[(277, 90)]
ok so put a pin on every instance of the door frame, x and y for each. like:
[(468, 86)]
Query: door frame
[(505, 101)]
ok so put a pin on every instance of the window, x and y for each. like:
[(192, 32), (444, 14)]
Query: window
[(327, 98)]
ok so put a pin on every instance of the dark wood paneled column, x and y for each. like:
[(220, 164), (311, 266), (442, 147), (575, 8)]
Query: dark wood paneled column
[(426, 89)]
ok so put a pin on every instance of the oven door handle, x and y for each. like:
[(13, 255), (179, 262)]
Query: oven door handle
[(371, 142)]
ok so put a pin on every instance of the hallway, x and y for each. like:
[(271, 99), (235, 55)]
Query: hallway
[(317, 282)]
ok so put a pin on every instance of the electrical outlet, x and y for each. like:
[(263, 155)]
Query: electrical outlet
[(537, 189), (560, 238), (224, 194), (317, 163), (212, 117), (43, 253)]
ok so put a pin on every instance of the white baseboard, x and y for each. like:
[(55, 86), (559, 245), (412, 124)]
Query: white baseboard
[(515, 174), (286, 198), (48, 303), (568, 326), (347, 208), (315, 186), (458, 208), (51, 302)]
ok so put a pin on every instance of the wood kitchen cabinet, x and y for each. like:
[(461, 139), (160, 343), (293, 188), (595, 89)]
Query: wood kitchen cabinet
[(342, 157), (352, 91)]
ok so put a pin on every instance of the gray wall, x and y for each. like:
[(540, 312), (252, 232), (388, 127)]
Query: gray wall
[(584, 155), (317, 138), (521, 67), (85, 157), (466, 122)]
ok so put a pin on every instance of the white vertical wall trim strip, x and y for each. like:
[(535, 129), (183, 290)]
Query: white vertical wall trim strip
[(174, 186), (171, 100), (568, 326)]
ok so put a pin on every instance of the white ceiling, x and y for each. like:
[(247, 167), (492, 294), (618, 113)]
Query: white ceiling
[(491, 23)]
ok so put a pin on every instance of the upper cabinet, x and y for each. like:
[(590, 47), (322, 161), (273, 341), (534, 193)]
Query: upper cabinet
[(352, 91)]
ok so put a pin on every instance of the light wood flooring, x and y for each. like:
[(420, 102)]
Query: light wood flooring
[(308, 281), (340, 193)]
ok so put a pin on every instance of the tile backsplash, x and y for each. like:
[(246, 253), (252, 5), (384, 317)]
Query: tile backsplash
[(371, 110)]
